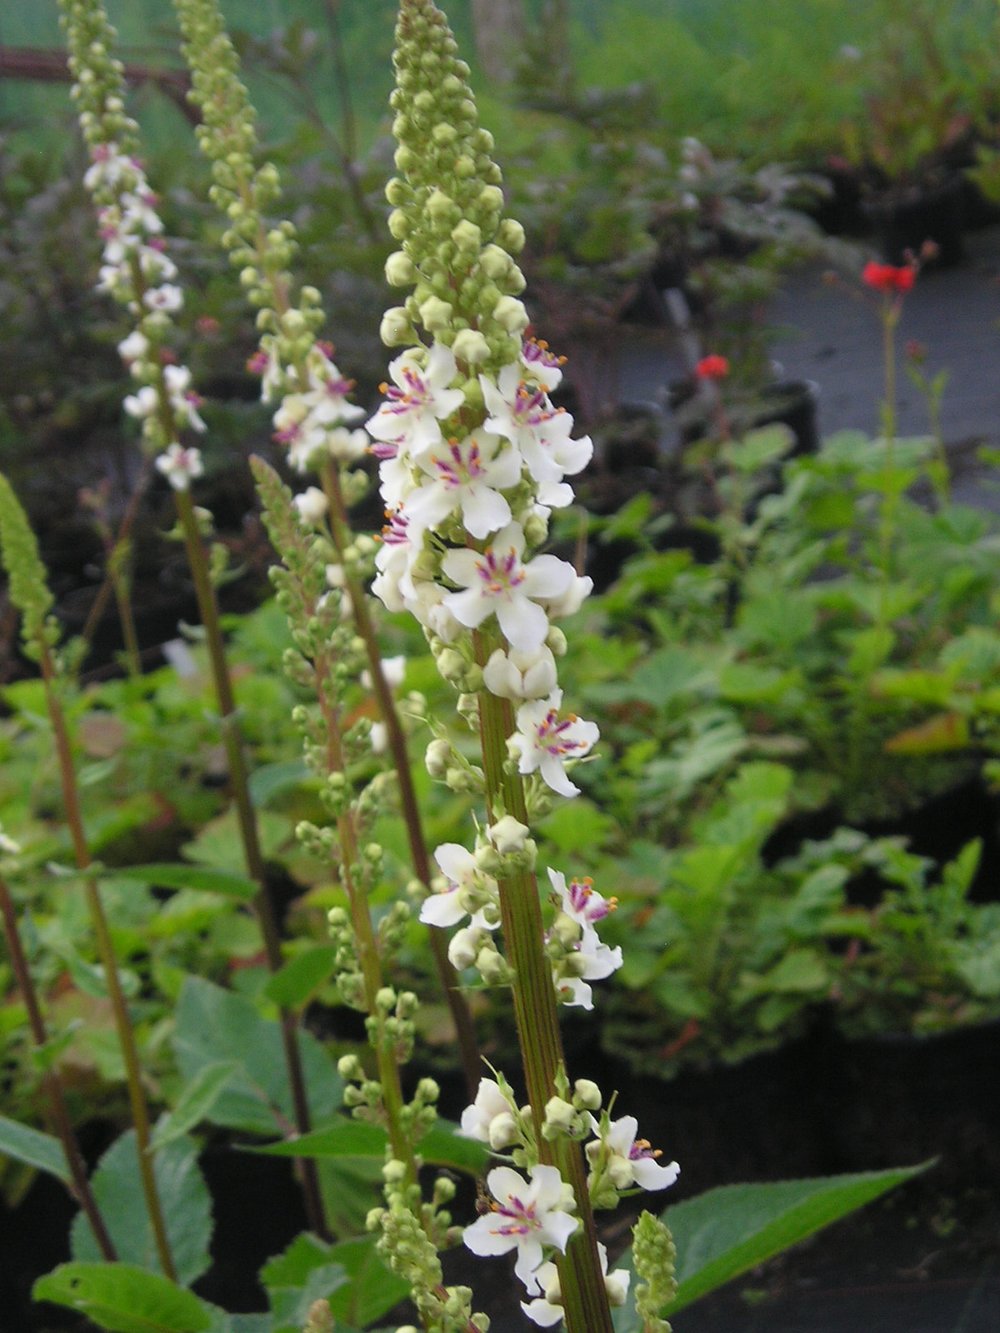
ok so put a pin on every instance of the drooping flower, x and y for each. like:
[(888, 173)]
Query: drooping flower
[(490, 1118), (467, 891), (581, 901), (547, 1310), (544, 741), (629, 1160), (528, 1216)]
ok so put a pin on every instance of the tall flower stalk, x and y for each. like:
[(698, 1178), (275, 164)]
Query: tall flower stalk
[(314, 413), (139, 274), (30, 594), (474, 458)]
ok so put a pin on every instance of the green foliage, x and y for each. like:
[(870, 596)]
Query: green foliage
[(125, 1299), (727, 1231)]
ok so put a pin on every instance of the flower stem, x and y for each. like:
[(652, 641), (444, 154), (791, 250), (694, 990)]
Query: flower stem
[(536, 1015), (465, 1031), (58, 1112), (239, 783), (109, 962)]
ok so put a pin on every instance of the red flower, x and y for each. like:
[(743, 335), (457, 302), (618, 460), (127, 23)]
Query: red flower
[(889, 278), (712, 367)]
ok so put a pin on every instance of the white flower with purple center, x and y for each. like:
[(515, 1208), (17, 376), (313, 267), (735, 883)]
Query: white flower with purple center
[(581, 901), (528, 1216), (328, 391), (497, 582), (522, 413), (166, 298), (588, 960), (626, 1159), (418, 398), (467, 475), (541, 363), (545, 741), (180, 465)]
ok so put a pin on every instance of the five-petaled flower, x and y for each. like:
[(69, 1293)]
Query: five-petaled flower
[(527, 1216), (626, 1159), (544, 741)]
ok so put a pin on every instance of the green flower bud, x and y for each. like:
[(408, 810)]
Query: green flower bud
[(511, 315), (471, 347)]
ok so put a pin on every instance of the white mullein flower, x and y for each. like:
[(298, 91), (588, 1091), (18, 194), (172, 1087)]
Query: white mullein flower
[(180, 465), (521, 676), (419, 398), (628, 1159), (544, 741), (528, 1216), (466, 476)]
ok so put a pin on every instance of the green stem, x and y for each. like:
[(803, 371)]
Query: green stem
[(208, 610), (120, 583), (58, 1111), (536, 1015), (890, 497), (461, 1016), (109, 962)]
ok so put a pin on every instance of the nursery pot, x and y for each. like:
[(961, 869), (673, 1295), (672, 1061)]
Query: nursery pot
[(904, 220)]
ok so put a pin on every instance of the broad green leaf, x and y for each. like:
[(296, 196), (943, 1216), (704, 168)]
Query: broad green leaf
[(184, 1198), (33, 1147), (273, 780), (440, 1146), (372, 1290), (350, 1275), (216, 1025), (195, 1102), (747, 682), (727, 1231), (181, 875), (125, 1299), (293, 984)]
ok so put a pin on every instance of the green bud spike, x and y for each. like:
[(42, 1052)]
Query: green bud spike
[(654, 1256), (447, 200), (99, 89), (29, 589)]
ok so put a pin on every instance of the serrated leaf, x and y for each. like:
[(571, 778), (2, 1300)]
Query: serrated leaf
[(184, 1199), (293, 984), (727, 1231), (181, 875), (125, 1299), (31, 1146), (216, 1025), (195, 1102)]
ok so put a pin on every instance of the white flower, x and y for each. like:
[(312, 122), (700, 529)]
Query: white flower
[(496, 581), (581, 901), (180, 466), (467, 891), (420, 398), (328, 390), (544, 741), (541, 364), (346, 446), (134, 347), (311, 503), (588, 960), (490, 1118), (522, 413), (629, 1161), (167, 298), (547, 1310), (467, 475), (517, 675), (527, 1215)]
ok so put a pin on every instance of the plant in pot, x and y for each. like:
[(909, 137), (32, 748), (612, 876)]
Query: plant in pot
[(913, 134)]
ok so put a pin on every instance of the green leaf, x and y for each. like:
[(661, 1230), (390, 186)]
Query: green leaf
[(726, 1231), (184, 876), (125, 1299), (372, 1291), (272, 780), (292, 985), (214, 1025), (29, 1145), (441, 1146), (195, 1102), (184, 1198)]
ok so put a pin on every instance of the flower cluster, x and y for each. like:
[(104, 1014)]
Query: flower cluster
[(135, 268), (889, 279)]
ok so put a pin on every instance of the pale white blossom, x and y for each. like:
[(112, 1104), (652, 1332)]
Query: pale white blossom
[(467, 891), (418, 399), (528, 1216), (312, 504), (544, 741), (497, 581), (490, 1118), (547, 1309), (629, 1160), (180, 465), (466, 476), (517, 675)]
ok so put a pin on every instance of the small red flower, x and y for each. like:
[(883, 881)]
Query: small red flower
[(889, 278), (712, 367)]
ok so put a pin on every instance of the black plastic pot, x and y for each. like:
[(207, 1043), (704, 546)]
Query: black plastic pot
[(904, 221)]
